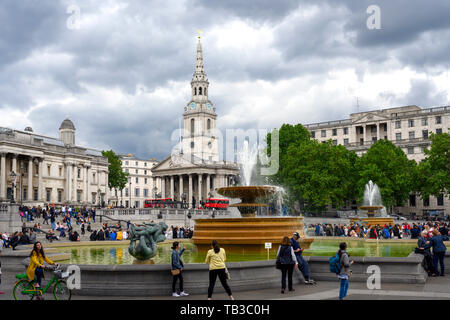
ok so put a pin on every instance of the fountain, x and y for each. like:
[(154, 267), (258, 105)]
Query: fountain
[(249, 231), (376, 213)]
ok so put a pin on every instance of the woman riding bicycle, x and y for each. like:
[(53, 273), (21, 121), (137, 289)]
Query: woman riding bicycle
[(36, 266)]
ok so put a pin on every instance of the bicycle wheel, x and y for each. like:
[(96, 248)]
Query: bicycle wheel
[(20, 287), (61, 291)]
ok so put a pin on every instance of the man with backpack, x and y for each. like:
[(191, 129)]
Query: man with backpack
[(303, 266), (340, 264)]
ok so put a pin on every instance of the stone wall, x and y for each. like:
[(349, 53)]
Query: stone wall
[(10, 220)]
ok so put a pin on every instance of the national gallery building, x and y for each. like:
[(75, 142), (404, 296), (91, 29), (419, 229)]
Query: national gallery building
[(37, 170)]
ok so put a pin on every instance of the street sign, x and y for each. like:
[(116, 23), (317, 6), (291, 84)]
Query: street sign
[(268, 245)]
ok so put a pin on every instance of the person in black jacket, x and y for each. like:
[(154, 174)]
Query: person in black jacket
[(288, 262), (425, 250), (439, 249), (100, 235)]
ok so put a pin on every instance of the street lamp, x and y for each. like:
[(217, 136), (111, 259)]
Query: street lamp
[(99, 198), (129, 206), (13, 176)]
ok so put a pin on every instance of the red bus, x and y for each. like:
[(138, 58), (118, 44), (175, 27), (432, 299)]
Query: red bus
[(158, 203), (218, 204)]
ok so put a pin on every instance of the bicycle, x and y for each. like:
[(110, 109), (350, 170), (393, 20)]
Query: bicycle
[(25, 289)]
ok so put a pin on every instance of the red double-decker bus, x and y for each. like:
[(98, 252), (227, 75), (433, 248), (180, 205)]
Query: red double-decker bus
[(218, 204), (158, 203)]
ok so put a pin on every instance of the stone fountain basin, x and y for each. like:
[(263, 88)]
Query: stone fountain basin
[(247, 193)]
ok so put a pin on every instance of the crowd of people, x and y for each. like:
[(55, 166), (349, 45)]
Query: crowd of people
[(399, 231)]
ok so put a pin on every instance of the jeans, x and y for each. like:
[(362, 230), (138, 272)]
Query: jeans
[(212, 281), (286, 269), (303, 266), (174, 282), (438, 256), (343, 289), (39, 273)]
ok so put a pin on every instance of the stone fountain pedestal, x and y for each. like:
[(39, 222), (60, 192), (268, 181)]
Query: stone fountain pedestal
[(371, 219), (252, 233)]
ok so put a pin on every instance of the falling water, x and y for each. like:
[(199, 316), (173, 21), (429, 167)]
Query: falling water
[(247, 158), (372, 196)]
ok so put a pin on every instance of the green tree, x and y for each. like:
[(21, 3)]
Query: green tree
[(433, 174), (388, 167), (117, 178)]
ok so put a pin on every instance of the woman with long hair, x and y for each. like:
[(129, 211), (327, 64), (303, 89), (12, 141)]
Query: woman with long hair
[(177, 268), (216, 259), (288, 261), (36, 266)]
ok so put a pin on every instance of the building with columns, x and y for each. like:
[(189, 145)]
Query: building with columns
[(193, 171), (51, 170), (407, 127)]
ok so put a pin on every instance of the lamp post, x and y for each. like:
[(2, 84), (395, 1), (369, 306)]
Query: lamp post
[(13, 176), (129, 206), (155, 189), (99, 198)]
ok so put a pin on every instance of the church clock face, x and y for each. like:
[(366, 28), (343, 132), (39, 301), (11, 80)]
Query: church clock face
[(208, 106), (193, 105)]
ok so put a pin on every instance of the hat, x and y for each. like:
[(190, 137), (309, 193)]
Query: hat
[(295, 234)]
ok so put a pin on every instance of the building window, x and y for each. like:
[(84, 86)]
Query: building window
[(35, 194), (208, 124), (374, 139), (411, 123), (313, 134), (136, 192), (145, 172), (137, 171), (439, 131), (192, 145), (361, 130), (440, 200), (398, 124), (126, 170), (79, 195), (145, 192), (411, 134), (398, 136), (345, 142), (410, 150), (49, 170), (334, 132), (137, 164), (24, 194), (60, 171), (335, 142), (136, 204), (145, 164), (323, 133), (48, 195), (424, 121), (137, 180), (126, 192), (426, 202), (373, 129), (438, 119), (345, 130), (126, 163), (145, 180), (425, 134), (79, 173), (192, 127), (126, 204), (60, 193), (412, 200)]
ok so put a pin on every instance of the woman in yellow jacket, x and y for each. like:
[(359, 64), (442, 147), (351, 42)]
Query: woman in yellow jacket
[(36, 266), (216, 259)]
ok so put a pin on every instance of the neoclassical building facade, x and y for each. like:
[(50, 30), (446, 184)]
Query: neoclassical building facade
[(194, 171), (51, 170)]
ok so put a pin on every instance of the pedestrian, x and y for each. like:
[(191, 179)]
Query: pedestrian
[(345, 271), (425, 250), (177, 268), (216, 258), (36, 265), (439, 248), (287, 261), (303, 266)]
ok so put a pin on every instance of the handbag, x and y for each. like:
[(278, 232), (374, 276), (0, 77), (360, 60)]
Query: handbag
[(278, 264), (175, 272)]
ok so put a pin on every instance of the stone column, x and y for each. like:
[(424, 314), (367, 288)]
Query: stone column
[(67, 192), (208, 184), (189, 200), (75, 185), (163, 187), (30, 180), (200, 178), (14, 168), (3, 176), (40, 182), (181, 187), (86, 183), (172, 186)]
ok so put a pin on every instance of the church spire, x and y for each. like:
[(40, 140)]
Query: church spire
[(199, 83)]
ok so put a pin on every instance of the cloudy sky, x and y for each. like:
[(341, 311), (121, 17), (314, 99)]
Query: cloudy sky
[(121, 69)]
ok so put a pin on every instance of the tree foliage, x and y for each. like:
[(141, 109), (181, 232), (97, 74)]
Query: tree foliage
[(117, 178)]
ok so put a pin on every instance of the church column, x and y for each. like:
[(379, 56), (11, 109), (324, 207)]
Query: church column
[(30, 180), (3, 176), (172, 187), (163, 187), (208, 184), (86, 183), (189, 199), (181, 187), (200, 178), (67, 192)]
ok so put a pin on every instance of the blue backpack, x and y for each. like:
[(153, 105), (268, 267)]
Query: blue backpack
[(335, 264)]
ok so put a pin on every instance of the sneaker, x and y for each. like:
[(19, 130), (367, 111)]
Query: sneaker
[(184, 294), (175, 294), (310, 281)]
